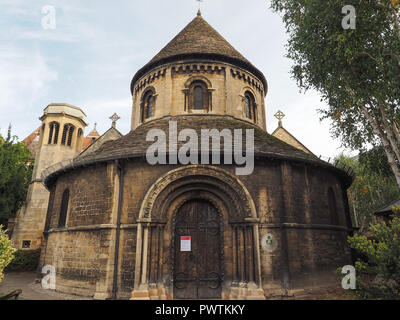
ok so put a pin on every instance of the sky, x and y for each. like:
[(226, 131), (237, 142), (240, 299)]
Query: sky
[(97, 46)]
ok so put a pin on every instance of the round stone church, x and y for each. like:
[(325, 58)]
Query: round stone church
[(120, 226)]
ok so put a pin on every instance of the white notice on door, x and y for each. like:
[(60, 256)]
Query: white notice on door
[(186, 244)]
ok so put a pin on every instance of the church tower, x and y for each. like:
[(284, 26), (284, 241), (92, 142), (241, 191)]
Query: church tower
[(199, 73), (120, 225), (61, 136)]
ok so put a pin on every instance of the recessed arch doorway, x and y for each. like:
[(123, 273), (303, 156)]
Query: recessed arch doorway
[(198, 262)]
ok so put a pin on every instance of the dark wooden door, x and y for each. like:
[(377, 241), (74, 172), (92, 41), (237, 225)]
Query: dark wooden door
[(197, 273)]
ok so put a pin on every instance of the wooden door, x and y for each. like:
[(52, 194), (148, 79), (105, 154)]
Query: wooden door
[(197, 272)]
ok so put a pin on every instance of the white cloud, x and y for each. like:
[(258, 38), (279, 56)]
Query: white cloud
[(46, 35), (98, 46), (25, 77)]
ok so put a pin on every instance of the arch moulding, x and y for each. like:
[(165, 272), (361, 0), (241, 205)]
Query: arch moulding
[(225, 177)]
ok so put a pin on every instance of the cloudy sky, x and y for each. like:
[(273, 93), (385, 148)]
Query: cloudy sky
[(89, 59)]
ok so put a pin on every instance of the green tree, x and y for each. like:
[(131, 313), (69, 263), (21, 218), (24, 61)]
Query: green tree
[(356, 71), (374, 160), (378, 268), (374, 185), (6, 252), (15, 175)]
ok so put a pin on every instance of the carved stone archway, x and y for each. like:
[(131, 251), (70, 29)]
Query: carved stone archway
[(155, 231)]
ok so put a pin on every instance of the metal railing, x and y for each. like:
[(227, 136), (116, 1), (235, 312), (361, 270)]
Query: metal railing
[(339, 164)]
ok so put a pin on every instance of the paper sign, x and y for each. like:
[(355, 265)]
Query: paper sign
[(186, 244)]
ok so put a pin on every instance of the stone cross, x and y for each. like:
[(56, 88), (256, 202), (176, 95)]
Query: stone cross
[(199, 12), (114, 118), (279, 115)]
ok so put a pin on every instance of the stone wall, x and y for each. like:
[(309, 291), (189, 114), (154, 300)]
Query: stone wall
[(228, 86), (30, 220), (290, 201), (284, 135)]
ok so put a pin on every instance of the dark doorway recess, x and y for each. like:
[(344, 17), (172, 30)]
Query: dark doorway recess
[(197, 273)]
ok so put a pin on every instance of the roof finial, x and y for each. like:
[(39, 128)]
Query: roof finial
[(114, 119), (279, 115), (199, 11), (95, 126)]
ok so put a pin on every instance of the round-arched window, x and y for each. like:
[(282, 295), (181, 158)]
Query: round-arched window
[(149, 108), (53, 134), (250, 106), (147, 105), (198, 98)]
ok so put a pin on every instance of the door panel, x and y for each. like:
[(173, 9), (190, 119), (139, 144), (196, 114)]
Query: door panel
[(197, 273)]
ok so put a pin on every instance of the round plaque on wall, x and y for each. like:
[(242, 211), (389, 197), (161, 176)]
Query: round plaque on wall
[(269, 243)]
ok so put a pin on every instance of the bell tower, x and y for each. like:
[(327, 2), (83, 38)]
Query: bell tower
[(199, 73), (61, 137)]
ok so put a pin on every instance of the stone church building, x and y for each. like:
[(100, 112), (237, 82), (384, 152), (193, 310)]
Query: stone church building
[(117, 226)]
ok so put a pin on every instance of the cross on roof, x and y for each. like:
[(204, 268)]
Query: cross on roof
[(199, 12), (280, 115), (114, 118)]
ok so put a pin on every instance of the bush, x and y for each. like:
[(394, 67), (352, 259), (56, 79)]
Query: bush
[(6, 252), (25, 260), (378, 271)]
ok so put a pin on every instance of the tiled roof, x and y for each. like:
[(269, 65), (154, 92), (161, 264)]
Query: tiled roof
[(134, 144), (388, 208), (199, 40), (90, 138)]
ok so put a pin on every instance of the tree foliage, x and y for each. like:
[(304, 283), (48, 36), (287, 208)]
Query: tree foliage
[(374, 185), (374, 161), (15, 175), (378, 271), (6, 252), (356, 71)]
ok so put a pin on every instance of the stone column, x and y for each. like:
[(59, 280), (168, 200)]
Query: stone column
[(104, 286)]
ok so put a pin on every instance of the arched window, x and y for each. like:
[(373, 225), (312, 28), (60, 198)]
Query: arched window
[(71, 131), (250, 106), (67, 134), (199, 96), (79, 139), (332, 207), (147, 105), (53, 133), (64, 209), (149, 109)]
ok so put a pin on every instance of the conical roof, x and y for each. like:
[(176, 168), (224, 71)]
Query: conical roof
[(199, 40)]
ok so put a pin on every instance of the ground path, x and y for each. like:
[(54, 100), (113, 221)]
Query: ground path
[(31, 290)]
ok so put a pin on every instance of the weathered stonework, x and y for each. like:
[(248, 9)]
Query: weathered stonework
[(227, 91), (29, 222), (282, 134), (121, 229), (297, 211)]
